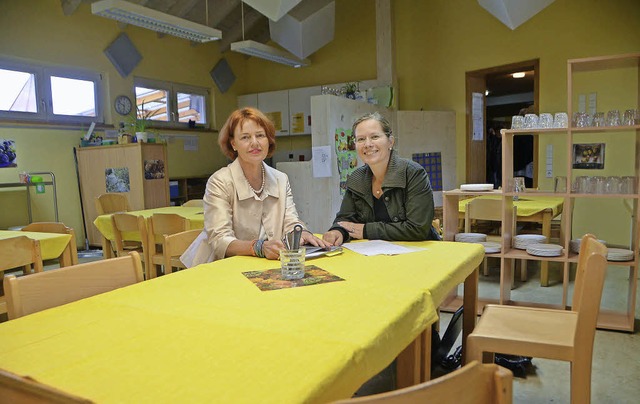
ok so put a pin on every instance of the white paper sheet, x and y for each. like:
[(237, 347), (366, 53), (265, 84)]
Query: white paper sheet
[(377, 247), (321, 160)]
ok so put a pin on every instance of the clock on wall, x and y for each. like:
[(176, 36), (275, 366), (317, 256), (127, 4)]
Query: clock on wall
[(123, 105)]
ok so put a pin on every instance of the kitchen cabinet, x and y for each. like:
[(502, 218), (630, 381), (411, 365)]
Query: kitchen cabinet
[(139, 170), (611, 216), (300, 109), (275, 104)]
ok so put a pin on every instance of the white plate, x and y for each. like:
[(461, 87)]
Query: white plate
[(470, 237), (619, 254), (545, 250), (491, 247), (476, 187)]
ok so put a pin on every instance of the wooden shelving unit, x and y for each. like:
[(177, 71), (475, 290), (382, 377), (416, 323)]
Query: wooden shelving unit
[(601, 75), (189, 188)]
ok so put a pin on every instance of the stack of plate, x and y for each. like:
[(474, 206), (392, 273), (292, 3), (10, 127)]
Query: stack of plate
[(545, 250), (476, 187), (491, 247), (470, 237), (522, 241), (619, 254), (574, 245)]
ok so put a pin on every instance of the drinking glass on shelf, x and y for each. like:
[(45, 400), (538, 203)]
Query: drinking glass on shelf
[(580, 185), (599, 184), (612, 186), (582, 120), (560, 184), (628, 185), (598, 119), (530, 121), (560, 120), (545, 121), (613, 118), (517, 122), (518, 186), (628, 118)]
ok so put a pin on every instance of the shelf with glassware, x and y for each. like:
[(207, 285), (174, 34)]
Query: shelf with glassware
[(616, 83)]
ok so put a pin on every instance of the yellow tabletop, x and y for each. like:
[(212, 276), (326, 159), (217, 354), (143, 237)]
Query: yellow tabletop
[(52, 245), (208, 334), (194, 214), (527, 205)]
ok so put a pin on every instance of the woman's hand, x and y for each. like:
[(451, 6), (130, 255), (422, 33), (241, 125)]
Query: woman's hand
[(355, 230), (333, 237), (271, 249), (310, 239)]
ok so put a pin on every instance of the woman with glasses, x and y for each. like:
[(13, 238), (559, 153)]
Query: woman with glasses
[(248, 206), (389, 198)]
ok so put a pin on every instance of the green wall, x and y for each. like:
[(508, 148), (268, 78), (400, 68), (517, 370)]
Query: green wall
[(436, 42)]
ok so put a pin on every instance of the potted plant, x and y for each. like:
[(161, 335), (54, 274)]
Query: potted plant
[(142, 121), (350, 90)]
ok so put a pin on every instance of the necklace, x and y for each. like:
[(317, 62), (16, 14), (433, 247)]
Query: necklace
[(259, 190)]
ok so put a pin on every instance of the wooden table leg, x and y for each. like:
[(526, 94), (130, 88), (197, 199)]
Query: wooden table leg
[(425, 353), (470, 304), (408, 365)]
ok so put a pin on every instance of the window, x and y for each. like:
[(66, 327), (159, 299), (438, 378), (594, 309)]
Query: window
[(39, 93), (171, 104)]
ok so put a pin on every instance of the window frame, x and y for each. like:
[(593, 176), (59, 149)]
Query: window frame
[(172, 90), (42, 75)]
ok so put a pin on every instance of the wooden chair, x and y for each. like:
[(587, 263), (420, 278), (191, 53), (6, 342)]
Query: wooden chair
[(112, 202), (196, 203), (19, 252), (56, 227), (129, 231), (173, 247), (491, 210), (24, 390), (33, 293), (474, 383), (553, 334), (158, 225)]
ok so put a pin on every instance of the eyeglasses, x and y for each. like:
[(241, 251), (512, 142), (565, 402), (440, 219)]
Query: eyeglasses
[(373, 138), (245, 138)]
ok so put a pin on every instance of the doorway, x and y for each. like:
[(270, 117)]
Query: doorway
[(502, 97)]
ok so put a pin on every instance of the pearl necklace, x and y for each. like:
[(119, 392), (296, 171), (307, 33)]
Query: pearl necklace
[(259, 190)]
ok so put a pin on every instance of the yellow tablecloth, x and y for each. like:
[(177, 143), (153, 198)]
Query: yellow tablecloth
[(527, 205), (52, 245), (194, 214), (208, 334)]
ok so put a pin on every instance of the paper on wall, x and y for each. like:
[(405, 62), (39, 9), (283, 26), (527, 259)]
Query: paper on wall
[(321, 160)]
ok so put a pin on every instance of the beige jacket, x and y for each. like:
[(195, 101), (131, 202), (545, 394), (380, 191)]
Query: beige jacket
[(233, 212)]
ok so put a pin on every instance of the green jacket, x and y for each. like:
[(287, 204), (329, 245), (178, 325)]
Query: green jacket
[(406, 193)]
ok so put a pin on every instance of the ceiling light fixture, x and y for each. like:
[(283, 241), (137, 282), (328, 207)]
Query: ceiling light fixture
[(260, 50), (154, 20), (517, 75), (257, 49)]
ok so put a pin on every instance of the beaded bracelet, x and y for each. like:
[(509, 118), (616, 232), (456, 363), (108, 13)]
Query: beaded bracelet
[(253, 247), (258, 248)]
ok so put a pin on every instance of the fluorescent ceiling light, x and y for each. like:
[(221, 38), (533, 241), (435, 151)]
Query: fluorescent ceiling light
[(518, 75), (257, 49), (154, 20)]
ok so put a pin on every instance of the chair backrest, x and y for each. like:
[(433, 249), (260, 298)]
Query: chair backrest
[(18, 389), (112, 202), (175, 244), (16, 252), (33, 293), (127, 227), (160, 224), (56, 227), (475, 383), (488, 209), (196, 203), (587, 291)]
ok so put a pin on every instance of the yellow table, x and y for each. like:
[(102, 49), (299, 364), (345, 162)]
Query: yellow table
[(534, 209), (208, 334), (52, 245), (103, 222)]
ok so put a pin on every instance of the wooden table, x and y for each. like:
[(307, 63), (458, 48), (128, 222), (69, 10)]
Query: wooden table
[(52, 245), (104, 226), (531, 209), (209, 334)]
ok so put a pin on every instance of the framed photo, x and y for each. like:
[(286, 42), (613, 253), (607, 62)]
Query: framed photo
[(588, 155)]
